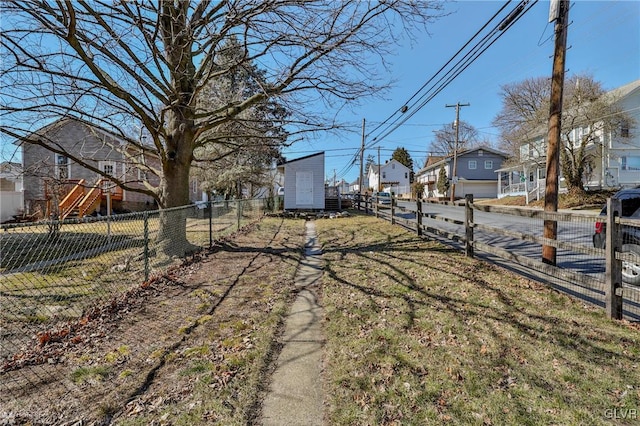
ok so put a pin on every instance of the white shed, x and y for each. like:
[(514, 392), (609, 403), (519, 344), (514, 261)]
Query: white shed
[(304, 183)]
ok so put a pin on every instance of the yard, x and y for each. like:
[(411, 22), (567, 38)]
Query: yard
[(416, 333)]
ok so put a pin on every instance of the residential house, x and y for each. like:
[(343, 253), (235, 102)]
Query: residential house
[(343, 186), (615, 153), (354, 187), (392, 176), (52, 178), (475, 170), (11, 190), (304, 187)]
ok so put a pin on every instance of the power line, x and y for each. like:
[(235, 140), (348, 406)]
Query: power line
[(463, 63)]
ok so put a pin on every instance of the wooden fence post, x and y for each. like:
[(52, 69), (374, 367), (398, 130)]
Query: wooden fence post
[(613, 271), (375, 202), (393, 203), (419, 217), (468, 224)]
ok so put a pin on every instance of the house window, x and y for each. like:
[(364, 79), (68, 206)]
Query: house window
[(488, 164), (630, 163), (63, 167), (406, 175), (480, 153), (473, 164), (393, 166), (384, 175), (624, 129), (108, 167), (142, 174)]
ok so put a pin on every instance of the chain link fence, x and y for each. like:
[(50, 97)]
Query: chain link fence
[(53, 273)]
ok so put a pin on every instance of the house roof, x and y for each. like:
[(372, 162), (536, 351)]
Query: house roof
[(625, 90), (10, 167), (302, 158), (281, 165), (373, 168), (120, 143), (432, 159), (64, 121)]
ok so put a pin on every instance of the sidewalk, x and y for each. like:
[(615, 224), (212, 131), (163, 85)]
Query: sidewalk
[(295, 395)]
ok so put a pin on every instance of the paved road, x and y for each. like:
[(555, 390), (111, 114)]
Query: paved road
[(591, 264), (573, 232)]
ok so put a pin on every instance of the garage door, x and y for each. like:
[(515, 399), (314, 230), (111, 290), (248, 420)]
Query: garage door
[(479, 190)]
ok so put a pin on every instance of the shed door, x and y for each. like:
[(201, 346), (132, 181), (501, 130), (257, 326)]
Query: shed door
[(304, 188)]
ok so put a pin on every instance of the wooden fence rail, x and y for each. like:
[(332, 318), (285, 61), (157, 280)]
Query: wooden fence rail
[(613, 287)]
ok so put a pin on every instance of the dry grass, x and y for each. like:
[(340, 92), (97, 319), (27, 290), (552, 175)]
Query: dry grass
[(191, 348), (418, 334), (415, 334)]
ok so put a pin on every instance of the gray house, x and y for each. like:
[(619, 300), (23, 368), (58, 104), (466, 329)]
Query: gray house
[(476, 173), (52, 178), (304, 183)]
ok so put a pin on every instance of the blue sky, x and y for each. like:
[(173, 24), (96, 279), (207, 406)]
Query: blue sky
[(603, 40)]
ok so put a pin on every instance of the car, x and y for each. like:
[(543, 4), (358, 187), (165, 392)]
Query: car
[(630, 200), (382, 197)]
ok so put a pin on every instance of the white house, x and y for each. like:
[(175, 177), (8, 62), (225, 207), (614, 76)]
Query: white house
[(615, 154), (11, 190), (304, 183), (391, 176), (620, 162)]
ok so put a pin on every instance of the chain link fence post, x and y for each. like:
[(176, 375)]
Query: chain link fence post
[(210, 207), (146, 246)]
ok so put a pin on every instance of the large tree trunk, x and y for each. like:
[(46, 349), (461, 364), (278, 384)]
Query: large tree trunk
[(176, 165)]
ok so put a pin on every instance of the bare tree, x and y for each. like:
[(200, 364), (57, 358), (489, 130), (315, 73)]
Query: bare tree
[(524, 113), (127, 63), (445, 139), (588, 114)]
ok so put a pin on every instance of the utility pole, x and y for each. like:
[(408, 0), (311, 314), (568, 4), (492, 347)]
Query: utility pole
[(361, 163), (559, 11), (454, 172)]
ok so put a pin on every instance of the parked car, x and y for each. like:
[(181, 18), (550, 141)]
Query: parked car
[(382, 197), (630, 200)]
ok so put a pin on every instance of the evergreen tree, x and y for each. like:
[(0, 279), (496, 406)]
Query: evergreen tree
[(241, 152), (370, 161), (443, 181), (403, 157)]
